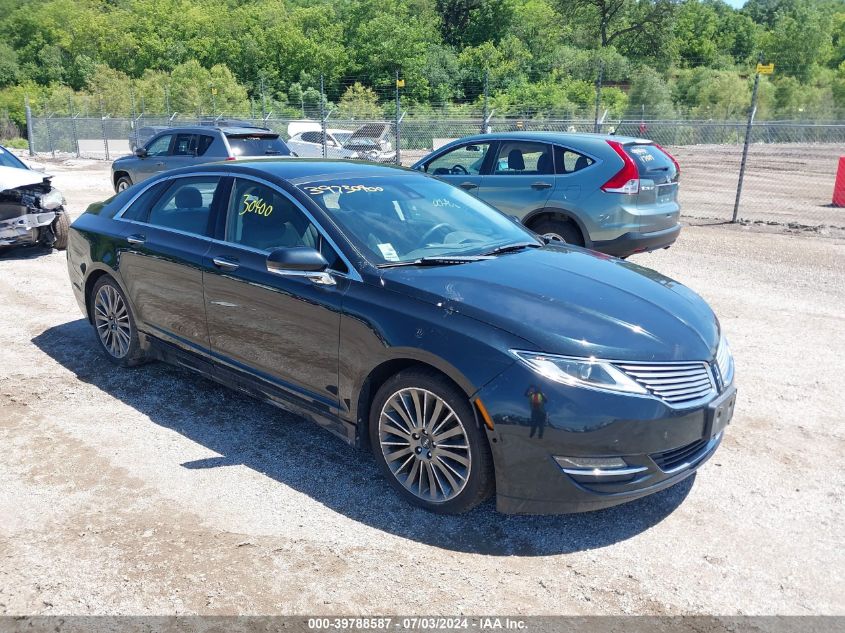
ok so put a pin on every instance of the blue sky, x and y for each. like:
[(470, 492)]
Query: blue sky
[(735, 3)]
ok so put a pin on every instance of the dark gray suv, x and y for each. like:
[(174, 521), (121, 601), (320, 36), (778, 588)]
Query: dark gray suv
[(185, 146), (614, 194)]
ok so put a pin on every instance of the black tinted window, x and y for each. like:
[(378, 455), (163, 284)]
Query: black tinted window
[(204, 143), (186, 205), (649, 158), (258, 145), (264, 218), (138, 210), (568, 161), (312, 137), (185, 145), (519, 158), (465, 160)]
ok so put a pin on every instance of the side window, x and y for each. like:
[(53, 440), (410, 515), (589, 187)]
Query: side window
[(186, 205), (465, 160), (521, 158), (159, 146), (185, 145), (312, 137), (263, 218), (138, 209), (567, 161), (204, 143)]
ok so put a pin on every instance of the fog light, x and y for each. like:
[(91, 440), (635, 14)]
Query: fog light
[(591, 463), (597, 466)]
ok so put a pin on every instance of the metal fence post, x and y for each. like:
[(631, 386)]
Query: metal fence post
[(398, 121), (29, 132), (599, 79), (105, 136), (748, 128), (323, 139), (485, 116), (50, 137), (73, 124)]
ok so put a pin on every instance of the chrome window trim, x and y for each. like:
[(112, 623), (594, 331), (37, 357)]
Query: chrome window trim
[(596, 160), (353, 273)]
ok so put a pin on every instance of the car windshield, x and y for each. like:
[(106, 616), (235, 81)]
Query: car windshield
[(406, 218), (342, 137), (258, 145), (7, 159)]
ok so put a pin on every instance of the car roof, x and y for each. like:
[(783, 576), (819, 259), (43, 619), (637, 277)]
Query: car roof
[(552, 137), (205, 129), (302, 169)]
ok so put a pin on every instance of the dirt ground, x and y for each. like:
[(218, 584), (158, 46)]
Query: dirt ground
[(153, 491)]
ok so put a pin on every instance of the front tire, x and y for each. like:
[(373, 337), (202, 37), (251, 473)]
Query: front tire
[(114, 323), (61, 228), (123, 183), (428, 445)]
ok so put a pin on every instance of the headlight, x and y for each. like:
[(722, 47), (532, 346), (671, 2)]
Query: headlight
[(52, 200), (725, 361), (580, 372)]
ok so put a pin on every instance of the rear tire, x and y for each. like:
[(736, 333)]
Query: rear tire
[(123, 183), (559, 231), (428, 445), (61, 228), (114, 324)]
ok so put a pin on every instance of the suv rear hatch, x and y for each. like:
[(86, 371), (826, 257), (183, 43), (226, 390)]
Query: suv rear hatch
[(657, 198)]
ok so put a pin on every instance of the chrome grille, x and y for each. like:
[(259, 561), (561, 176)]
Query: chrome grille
[(676, 383), (724, 361)]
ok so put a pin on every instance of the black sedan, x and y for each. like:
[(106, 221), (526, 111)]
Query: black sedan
[(403, 314)]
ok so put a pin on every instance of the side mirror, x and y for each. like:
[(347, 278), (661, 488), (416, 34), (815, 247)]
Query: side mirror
[(141, 152), (300, 261)]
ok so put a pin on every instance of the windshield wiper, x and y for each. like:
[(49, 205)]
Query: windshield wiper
[(507, 248), (438, 261)]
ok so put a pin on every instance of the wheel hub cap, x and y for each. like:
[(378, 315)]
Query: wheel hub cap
[(425, 444), (111, 318)]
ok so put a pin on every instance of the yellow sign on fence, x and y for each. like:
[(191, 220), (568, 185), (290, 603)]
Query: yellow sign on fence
[(400, 83), (765, 69)]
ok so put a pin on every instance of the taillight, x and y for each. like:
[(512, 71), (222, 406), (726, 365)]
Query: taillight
[(627, 179), (231, 158), (672, 158)]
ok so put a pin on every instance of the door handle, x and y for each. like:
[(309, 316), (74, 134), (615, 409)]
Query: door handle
[(136, 240), (468, 185), (224, 263), (541, 185)]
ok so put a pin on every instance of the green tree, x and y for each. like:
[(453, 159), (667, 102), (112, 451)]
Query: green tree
[(359, 102)]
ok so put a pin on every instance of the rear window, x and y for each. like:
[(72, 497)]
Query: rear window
[(649, 158), (258, 145)]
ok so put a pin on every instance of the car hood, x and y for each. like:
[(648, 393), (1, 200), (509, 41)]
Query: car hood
[(571, 301), (14, 177)]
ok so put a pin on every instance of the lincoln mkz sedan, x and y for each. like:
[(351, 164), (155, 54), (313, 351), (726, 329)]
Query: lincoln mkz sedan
[(405, 315)]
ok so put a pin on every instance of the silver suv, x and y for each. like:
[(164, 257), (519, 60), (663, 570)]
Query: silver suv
[(185, 146), (614, 194)]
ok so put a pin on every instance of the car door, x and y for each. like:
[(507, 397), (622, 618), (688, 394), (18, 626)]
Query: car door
[(282, 330), (162, 265), (521, 178), (461, 166), (158, 150)]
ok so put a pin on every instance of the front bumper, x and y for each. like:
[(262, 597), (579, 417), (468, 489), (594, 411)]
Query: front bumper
[(23, 229), (636, 242), (660, 445)]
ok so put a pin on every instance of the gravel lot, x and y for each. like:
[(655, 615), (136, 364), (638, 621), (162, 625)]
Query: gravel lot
[(152, 491)]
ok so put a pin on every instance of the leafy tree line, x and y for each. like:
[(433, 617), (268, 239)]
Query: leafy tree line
[(656, 58)]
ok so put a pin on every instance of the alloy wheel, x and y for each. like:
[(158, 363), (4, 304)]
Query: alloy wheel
[(554, 237), (111, 318), (425, 444)]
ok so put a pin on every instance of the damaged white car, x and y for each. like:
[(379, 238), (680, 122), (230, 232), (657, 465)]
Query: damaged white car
[(32, 212)]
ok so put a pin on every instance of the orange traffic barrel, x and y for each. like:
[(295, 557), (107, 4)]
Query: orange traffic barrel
[(839, 186)]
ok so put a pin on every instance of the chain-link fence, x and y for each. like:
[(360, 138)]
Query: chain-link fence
[(789, 177)]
